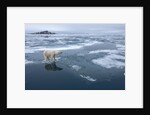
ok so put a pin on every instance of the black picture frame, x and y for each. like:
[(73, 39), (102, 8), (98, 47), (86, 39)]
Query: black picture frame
[(104, 3)]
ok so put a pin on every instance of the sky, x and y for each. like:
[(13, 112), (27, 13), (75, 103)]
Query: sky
[(78, 28)]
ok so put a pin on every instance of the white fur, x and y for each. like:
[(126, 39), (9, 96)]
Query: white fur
[(50, 54)]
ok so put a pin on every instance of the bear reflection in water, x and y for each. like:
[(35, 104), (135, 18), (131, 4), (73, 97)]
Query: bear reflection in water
[(52, 67)]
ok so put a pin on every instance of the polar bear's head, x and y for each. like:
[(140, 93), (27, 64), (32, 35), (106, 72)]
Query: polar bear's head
[(58, 52)]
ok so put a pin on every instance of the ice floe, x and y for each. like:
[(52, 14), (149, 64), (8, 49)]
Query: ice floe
[(103, 51), (27, 61), (115, 56), (110, 61), (120, 48), (88, 78), (76, 67), (58, 58)]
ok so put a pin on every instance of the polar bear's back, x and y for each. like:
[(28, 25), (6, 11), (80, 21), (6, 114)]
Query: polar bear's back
[(51, 52), (48, 52)]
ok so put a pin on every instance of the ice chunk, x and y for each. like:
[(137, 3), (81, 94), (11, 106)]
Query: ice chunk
[(76, 67), (114, 56), (88, 78), (27, 61)]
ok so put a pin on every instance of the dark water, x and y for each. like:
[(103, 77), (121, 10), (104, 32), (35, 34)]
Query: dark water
[(60, 77)]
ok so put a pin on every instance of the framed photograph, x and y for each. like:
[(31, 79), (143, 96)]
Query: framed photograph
[(74, 57)]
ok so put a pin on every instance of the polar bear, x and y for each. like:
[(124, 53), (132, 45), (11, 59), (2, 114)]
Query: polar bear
[(50, 54)]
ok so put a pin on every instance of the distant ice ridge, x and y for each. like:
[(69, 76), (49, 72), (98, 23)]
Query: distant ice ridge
[(67, 47), (88, 78), (37, 49), (29, 51), (89, 43), (76, 67), (103, 51), (110, 61), (27, 61)]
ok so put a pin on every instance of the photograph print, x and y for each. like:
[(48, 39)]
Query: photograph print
[(74, 56)]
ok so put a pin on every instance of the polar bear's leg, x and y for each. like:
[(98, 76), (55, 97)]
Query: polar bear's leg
[(52, 57), (48, 58), (45, 57)]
